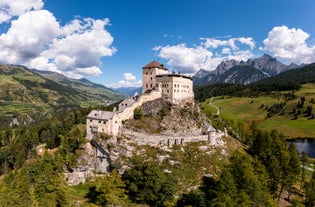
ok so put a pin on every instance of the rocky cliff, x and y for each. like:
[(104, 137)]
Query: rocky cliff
[(266, 65)]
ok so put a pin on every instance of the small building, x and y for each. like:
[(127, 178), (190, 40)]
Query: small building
[(215, 136), (128, 102), (102, 121)]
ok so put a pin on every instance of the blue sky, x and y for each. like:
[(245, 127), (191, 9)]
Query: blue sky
[(109, 41)]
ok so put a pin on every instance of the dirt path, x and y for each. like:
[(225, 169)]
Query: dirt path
[(214, 106)]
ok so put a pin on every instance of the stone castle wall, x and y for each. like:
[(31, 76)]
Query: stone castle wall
[(127, 113)]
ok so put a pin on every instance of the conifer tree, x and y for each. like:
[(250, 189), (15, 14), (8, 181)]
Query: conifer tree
[(310, 192), (294, 169)]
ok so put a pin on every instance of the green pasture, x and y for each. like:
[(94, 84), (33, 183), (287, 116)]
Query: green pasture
[(11, 107), (5, 80), (255, 109)]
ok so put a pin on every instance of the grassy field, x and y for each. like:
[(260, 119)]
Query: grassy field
[(255, 109), (11, 107)]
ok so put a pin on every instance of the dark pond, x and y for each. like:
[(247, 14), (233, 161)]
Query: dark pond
[(306, 145)]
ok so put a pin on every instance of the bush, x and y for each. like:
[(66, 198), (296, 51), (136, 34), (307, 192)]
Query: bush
[(137, 114)]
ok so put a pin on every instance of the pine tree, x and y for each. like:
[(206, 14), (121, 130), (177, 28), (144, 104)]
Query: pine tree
[(109, 191), (294, 168), (147, 183), (304, 159), (310, 192)]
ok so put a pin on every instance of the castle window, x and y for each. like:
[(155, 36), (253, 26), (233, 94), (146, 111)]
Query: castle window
[(91, 120), (146, 85), (151, 85), (99, 121), (151, 78)]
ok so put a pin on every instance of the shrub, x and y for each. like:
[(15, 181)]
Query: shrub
[(137, 114)]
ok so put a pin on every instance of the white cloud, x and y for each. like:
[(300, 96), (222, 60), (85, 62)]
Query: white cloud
[(289, 44), (205, 55), (129, 76), (11, 8), (28, 36), (247, 41), (226, 51), (185, 59), (37, 40), (213, 43), (124, 83), (81, 45), (129, 81)]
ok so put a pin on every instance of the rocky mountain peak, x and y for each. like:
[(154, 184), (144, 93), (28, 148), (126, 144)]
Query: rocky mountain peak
[(265, 64), (225, 66), (267, 57), (201, 73)]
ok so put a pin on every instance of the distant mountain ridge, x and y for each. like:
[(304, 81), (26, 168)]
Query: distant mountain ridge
[(130, 91), (241, 74), (90, 89), (29, 95), (266, 64)]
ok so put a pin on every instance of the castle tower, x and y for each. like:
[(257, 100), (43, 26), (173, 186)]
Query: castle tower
[(149, 73)]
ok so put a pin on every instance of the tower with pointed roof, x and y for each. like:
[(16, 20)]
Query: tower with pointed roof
[(149, 73)]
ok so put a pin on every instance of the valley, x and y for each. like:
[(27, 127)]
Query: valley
[(184, 147), (259, 110)]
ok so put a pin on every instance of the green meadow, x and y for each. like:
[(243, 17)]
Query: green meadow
[(256, 109)]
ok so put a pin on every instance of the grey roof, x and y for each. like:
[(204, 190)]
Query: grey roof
[(211, 129), (101, 115), (174, 75)]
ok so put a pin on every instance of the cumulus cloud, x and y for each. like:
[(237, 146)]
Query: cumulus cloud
[(289, 44), (9, 8), (206, 55), (129, 76), (129, 81), (28, 36), (232, 43), (36, 39)]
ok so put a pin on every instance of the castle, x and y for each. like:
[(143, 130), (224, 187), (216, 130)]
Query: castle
[(175, 88), (157, 82)]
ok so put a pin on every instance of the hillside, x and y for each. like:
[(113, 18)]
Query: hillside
[(289, 80), (289, 112), (26, 96), (139, 173), (91, 90), (296, 76)]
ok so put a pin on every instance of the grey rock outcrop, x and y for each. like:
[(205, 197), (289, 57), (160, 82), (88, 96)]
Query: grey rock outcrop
[(265, 66)]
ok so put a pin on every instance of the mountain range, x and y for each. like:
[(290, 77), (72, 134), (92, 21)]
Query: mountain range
[(241, 72), (129, 91), (27, 95), (91, 90)]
